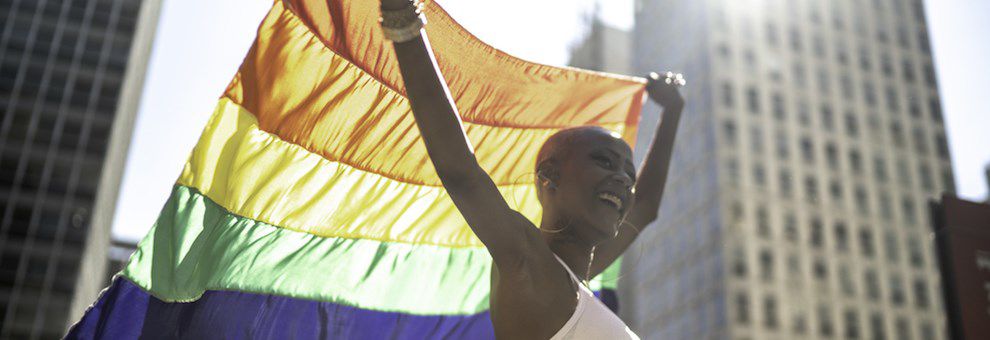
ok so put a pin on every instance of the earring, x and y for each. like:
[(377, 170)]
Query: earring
[(547, 182)]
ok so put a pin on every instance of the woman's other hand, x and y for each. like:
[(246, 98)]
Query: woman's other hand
[(662, 89)]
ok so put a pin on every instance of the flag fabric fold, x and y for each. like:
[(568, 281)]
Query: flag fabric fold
[(310, 209)]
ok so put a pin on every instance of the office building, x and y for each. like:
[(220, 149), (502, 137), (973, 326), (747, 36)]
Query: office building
[(70, 75), (796, 203), (603, 48)]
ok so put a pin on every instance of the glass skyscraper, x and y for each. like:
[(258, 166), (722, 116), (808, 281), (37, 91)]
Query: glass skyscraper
[(63, 68)]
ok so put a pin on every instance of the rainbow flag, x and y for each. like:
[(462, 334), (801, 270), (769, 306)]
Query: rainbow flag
[(310, 209)]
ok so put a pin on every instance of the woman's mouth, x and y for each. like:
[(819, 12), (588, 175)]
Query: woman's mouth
[(611, 199)]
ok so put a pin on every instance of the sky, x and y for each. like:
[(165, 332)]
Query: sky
[(200, 44)]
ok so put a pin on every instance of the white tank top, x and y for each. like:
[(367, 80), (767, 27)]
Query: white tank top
[(591, 318)]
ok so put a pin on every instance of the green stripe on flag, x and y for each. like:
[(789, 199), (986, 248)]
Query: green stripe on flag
[(196, 246)]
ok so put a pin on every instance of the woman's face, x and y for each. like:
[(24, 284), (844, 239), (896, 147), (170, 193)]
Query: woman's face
[(595, 184)]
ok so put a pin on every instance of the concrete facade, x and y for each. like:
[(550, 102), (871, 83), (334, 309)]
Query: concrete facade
[(796, 203)]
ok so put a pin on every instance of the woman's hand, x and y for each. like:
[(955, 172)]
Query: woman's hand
[(392, 5), (662, 89)]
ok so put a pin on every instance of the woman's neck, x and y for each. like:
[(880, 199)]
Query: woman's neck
[(574, 251)]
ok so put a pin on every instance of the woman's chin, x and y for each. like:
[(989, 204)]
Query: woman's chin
[(607, 229)]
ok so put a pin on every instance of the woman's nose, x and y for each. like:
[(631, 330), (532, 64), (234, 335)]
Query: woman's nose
[(623, 179)]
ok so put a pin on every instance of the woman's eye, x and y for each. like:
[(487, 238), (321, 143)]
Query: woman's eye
[(604, 161)]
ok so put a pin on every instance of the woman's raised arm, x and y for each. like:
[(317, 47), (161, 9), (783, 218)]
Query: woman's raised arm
[(506, 233), (652, 178)]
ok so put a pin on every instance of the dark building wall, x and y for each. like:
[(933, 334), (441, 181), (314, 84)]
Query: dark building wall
[(62, 64), (671, 287)]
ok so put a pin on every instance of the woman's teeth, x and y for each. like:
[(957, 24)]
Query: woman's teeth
[(615, 200)]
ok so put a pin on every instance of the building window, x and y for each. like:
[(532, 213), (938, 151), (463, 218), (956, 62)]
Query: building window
[(872, 285), (852, 126), (848, 91), (903, 329), (821, 271), (732, 171), (778, 107), (762, 222), (818, 43), (914, 108), (896, 290), (785, 183), (816, 233), (914, 252), (729, 130), (739, 262), (759, 175), (855, 162), (930, 75), (807, 150), (798, 324), (948, 182), (897, 134), (921, 294), (766, 265), (836, 191), (903, 173), (832, 155), (823, 81), (783, 151), (865, 62), (893, 101), (841, 236), (753, 100), (927, 181), (828, 119), (723, 50), (842, 55), (927, 330), (920, 144), (923, 44), (943, 146), (869, 94), (885, 65), (794, 267), (742, 308), (852, 324), (877, 328), (811, 189), (862, 201), (903, 37), (727, 98), (846, 281), (880, 169), (866, 243), (772, 37), (935, 109), (909, 214), (769, 312), (790, 228), (907, 68), (825, 327), (804, 114), (890, 243), (795, 39), (756, 141)]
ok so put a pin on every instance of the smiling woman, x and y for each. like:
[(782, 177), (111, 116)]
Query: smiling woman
[(306, 208), (585, 185)]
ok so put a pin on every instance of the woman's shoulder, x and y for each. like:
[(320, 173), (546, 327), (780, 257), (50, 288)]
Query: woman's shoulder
[(531, 304)]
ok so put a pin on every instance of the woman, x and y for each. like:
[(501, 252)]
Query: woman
[(585, 184)]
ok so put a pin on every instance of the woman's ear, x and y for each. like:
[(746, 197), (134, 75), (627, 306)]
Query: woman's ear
[(546, 181)]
